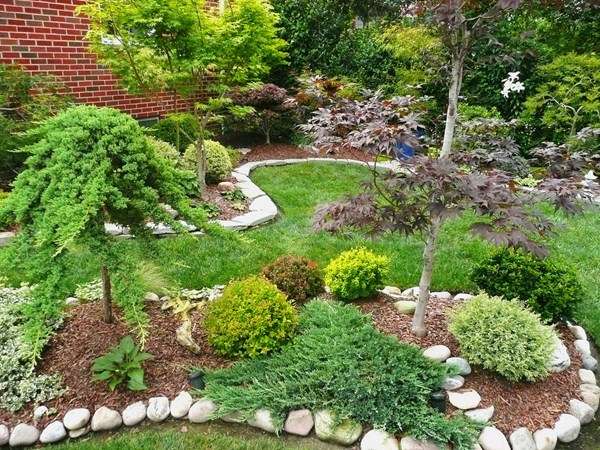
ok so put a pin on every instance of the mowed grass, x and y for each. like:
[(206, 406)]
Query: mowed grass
[(214, 436), (298, 189)]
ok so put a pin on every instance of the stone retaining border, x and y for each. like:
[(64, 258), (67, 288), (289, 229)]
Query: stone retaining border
[(80, 421), (261, 209)]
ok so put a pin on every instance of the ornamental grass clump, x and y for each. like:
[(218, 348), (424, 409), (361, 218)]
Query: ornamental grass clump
[(356, 273), (504, 337), (298, 277), (251, 318), (551, 290), (339, 361)]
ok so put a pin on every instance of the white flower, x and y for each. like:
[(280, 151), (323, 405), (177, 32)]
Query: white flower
[(512, 84)]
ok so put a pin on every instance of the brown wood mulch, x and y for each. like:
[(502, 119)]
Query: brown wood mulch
[(212, 195), (85, 337), (289, 151), (534, 405)]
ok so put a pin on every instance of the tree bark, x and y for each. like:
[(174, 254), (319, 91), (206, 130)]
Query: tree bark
[(418, 324), (201, 164), (458, 62), (106, 295)]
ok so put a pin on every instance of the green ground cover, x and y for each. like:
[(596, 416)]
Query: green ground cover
[(297, 190)]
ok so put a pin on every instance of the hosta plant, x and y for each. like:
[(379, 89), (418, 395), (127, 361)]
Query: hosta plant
[(122, 365)]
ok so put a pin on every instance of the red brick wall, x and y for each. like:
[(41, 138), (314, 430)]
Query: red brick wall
[(46, 36)]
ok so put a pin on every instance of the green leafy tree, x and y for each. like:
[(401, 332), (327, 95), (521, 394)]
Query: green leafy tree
[(568, 98), (88, 166), (185, 48)]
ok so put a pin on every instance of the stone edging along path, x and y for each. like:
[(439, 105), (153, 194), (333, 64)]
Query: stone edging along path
[(78, 422), (261, 210)]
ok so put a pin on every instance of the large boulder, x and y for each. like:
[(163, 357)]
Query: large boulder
[(464, 368), (522, 439), (481, 415), (545, 439), (134, 414), (491, 438), (158, 409), (464, 399), (180, 406), (4, 435), (76, 418), (379, 440), (202, 411), (560, 359), (410, 443), (346, 432), (439, 353), (453, 383), (587, 376), (263, 419), (54, 432), (581, 410)]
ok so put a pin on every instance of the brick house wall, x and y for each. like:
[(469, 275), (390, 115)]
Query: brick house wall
[(47, 37)]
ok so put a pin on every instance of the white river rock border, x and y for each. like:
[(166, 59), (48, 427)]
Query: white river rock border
[(566, 428)]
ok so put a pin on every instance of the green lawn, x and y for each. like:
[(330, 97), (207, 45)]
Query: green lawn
[(214, 436), (297, 190)]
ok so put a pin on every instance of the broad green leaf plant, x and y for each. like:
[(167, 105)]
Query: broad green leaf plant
[(186, 48), (123, 364)]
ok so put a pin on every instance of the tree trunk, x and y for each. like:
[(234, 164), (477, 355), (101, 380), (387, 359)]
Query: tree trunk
[(418, 324), (452, 112), (107, 295), (201, 164)]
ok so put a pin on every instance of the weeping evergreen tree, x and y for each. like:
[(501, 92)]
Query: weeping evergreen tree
[(88, 166)]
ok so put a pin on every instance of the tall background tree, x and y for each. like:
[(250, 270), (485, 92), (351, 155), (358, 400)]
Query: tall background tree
[(186, 48)]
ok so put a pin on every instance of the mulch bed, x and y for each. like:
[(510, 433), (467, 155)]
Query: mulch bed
[(288, 151), (85, 337), (534, 405), (212, 195)]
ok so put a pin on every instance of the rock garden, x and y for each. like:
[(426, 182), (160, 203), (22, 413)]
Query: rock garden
[(382, 259)]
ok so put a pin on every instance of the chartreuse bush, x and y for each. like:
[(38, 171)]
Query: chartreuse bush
[(550, 289), (299, 278), (503, 336), (341, 362), (356, 273), (251, 318), (218, 162)]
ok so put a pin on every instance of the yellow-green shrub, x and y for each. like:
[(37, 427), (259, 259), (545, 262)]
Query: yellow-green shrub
[(251, 318), (356, 273), (504, 337), (218, 162)]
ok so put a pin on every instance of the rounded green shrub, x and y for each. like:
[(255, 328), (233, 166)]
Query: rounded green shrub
[(251, 318), (164, 149), (299, 278), (178, 129), (549, 289), (503, 336), (218, 166), (356, 273)]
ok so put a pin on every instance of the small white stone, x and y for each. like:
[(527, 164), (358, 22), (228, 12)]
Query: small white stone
[(592, 399), (405, 306), (202, 411), (23, 434), (443, 295), (491, 438), (589, 362), (134, 414), (463, 365), (379, 440), (453, 383), (299, 422), (392, 291), (567, 428), (106, 419), (545, 439), (587, 376), (71, 301), (522, 439), (578, 332), (464, 399), (262, 419), (462, 297), (560, 359), (76, 418), (74, 434), (439, 353), (151, 297), (158, 409), (581, 410), (40, 412), (54, 432), (180, 406), (234, 417), (4, 435), (481, 415), (411, 292), (583, 347), (410, 443)]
